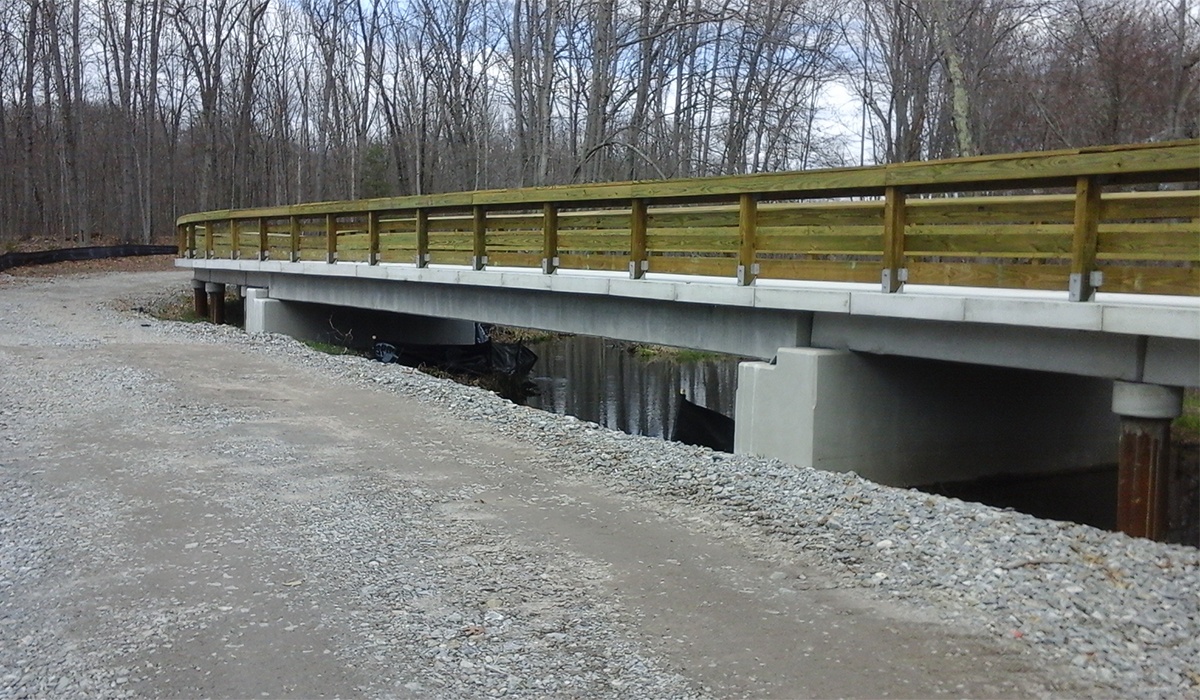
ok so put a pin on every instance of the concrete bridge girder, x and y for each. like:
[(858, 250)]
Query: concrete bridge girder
[(734, 330)]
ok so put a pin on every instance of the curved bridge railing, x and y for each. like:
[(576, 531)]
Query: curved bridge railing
[(1120, 218)]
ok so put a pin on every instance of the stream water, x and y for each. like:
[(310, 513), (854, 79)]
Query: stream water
[(603, 381)]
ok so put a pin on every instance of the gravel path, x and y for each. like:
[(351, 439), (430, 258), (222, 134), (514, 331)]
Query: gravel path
[(186, 510)]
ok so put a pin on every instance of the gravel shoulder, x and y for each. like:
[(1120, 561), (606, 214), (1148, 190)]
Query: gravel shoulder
[(189, 511)]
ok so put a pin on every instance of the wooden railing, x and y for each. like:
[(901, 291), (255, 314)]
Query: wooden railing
[(1030, 221)]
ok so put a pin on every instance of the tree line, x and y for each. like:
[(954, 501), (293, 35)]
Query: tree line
[(116, 116)]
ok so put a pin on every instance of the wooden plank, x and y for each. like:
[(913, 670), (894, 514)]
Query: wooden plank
[(693, 217), (614, 220), (532, 221), (991, 210), (893, 238), (1183, 204), (965, 274), (389, 223), (279, 246), (398, 240), (452, 241), (609, 241), (819, 270), (1084, 241), (1179, 280), (514, 259), (452, 224), (591, 261), (1025, 241), (693, 265), (1171, 160), (550, 237), (523, 240), (719, 240), (578, 194), (826, 214), (822, 243), (1161, 241), (358, 242), (450, 257)]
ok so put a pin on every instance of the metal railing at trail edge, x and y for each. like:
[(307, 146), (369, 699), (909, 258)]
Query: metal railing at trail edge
[(1121, 222)]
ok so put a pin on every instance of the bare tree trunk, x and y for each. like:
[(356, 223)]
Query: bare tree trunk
[(960, 101)]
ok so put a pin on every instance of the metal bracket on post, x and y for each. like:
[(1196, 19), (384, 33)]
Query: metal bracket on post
[(421, 260), (1075, 285), (478, 262), (643, 265), (741, 274), (886, 278), (549, 265)]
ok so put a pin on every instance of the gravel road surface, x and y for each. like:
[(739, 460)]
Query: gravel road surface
[(188, 511)]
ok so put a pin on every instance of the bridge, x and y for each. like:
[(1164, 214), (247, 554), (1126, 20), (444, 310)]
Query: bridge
[(922, 321)]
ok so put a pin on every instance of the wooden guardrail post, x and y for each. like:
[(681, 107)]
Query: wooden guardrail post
[(478, 237), (208, 239), (637, 239), (331, 238), (373, 238), (294, 245), (235, 239), (1084, 277), (422, 238), (894, 273), (264, 248), (191, 240), (747, 269), (549, 238)]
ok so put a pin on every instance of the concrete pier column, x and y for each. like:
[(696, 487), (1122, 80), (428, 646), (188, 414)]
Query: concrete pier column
[(199, 299), (901, 421), (1146, 412), (216, 301)]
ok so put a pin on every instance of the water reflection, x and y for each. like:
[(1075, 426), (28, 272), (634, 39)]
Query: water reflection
[(599, 380)]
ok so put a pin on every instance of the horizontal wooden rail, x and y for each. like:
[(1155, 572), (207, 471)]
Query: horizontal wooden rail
[(975, 222)]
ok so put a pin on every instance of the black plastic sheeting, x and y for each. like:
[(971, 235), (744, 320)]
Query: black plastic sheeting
[(704, 427), (45, 257), (510, 360)]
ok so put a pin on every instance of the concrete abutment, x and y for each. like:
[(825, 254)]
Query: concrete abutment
[(356, 328)]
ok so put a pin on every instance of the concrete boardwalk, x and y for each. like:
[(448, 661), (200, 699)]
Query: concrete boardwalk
[(188, 515)]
